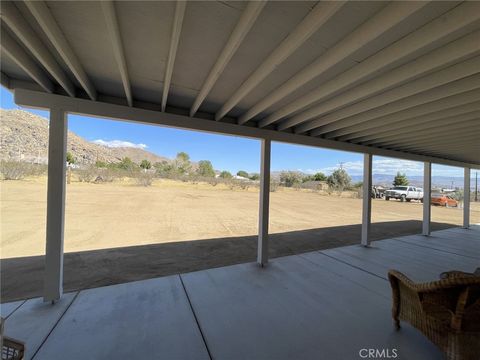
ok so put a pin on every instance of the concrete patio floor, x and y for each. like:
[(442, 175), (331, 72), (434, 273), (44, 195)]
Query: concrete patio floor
[(320, 305)]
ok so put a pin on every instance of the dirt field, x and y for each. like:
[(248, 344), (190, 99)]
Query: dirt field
[(122, 232), (101, 216)]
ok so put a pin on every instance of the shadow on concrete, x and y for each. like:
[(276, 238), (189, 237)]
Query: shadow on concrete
[(22, 277)]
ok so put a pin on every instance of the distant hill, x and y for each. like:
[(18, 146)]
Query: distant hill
[(24, 136)]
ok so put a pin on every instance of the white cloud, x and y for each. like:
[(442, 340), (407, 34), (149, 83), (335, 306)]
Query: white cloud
[(389, 166), (119, 143)]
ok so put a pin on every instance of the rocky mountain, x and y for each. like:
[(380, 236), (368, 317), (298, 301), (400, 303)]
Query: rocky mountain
[(24, 136)]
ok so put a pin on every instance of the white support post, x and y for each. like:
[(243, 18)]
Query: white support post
[(262, 254), (367, 199), (427, 194), (57, 148), (466, 198)]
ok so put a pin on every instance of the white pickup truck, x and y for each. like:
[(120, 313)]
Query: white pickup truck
[(404, 193)]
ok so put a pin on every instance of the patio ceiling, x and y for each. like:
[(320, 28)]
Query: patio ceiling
[(403, 76)]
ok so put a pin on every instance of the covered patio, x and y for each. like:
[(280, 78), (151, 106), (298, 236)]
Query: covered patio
[(331, 304), (397, 79)]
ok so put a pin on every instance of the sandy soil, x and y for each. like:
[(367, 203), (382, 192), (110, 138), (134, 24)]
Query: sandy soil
[(100, 216), (121, 232)]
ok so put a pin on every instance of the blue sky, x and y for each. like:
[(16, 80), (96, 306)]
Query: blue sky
[(228, 152)]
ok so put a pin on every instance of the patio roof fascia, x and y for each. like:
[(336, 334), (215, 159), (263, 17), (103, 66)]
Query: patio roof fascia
[(41, 100)]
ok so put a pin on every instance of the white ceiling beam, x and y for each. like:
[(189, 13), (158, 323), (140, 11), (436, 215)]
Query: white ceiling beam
[(244, 24), (399, 98), (451, 22), (458, 136), (10, 47), (388, 128), (11, 83), (456, 150), (315, 19), (415, 134), (460, 99), (472, 145), (19, 26), (49, 26), (172, 53), (419, 128), (337, 120), (42, 15), (381, 22), (35, 99), (444, 147), (113, 29), (456, 51), (440, 150)]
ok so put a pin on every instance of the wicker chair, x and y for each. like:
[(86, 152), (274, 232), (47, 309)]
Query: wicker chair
[(11, 349), (446, 311)]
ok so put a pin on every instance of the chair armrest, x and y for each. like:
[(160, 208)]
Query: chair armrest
[(432, 286), (455, 274)]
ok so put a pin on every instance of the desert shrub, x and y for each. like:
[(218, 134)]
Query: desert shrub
[(457, 194), (17, 170), (107, 175), (87, 174), (163, 169), (290, 178), (358, 193), (319, 176), (212, 180), (70, 158), (274, 185), (244, 185), (225, 175), (127, 164), (205, 169), (145, 164), (182, 164), (101, 164), (311, 185), (242, 173), (254, 177), (144, 178), (339, 180)]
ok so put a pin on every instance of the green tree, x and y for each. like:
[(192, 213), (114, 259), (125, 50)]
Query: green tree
[(225, 175), (290, 178), (242, 173), (319, 176), (181, 164), (254, 177), (70, 158), (339, 180), (400, 180), (145, 164), (126, 164), (164, 168), (205, 168), (183, 156)]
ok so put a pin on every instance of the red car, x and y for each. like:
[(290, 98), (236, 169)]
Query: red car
[(444, 200)]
